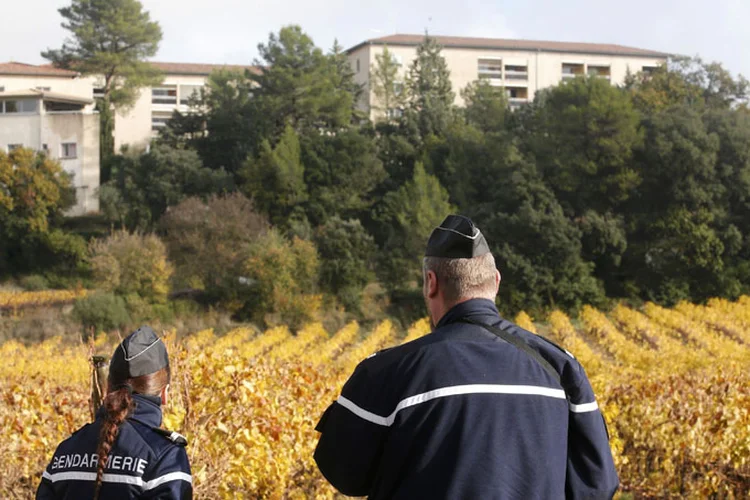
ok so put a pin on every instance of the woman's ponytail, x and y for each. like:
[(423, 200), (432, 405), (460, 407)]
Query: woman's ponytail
[(117, 405)]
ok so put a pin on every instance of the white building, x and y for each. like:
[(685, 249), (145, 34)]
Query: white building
[(63, 125), (521, 67)]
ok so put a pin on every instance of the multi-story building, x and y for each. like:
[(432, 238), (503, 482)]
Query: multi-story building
[(65, 127), (521, 67), (48, 108), (155, 106)]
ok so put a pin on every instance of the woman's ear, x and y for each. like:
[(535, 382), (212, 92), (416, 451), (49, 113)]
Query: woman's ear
[(165, 395)]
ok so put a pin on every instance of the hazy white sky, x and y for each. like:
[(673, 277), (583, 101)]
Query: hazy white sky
[(228, 31)]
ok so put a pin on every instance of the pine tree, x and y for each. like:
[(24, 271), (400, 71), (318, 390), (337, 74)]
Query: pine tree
[(386, 86), (430, 94)]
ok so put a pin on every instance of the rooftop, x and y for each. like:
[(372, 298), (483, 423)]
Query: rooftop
[(170, 68), (17, 68), (510, 44)]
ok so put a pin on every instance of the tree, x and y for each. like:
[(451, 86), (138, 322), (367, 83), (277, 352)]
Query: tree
[(136, 264), (347, 254), (387, 86), (429, 93), (586, 132), (34, 193), (406, 218), (687, 81), (207, 243), (282, 278), (536, 247), (342, 172), (144, 185), (276, 179), (676, 248), (110, 39), (300, 86), (485, 107)]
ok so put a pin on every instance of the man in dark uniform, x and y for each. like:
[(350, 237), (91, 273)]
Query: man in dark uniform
[(478, 409)]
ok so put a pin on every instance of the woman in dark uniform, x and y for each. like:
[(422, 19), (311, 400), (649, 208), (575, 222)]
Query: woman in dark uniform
[(124, 453)]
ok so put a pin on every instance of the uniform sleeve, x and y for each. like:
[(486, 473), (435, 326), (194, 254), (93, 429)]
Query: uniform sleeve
[(591, 470), (170, 478), (45, 490), (353, 430)]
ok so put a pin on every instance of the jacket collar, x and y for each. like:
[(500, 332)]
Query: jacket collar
[(480, 310), (147, 410)]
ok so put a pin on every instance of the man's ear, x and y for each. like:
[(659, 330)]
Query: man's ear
[(432, 284), (498, 279)]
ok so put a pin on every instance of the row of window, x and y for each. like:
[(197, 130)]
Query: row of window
[(10, 106), (168, 94), (68, 150)]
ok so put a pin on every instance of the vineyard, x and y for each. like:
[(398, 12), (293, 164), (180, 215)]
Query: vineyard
[(674, 385)]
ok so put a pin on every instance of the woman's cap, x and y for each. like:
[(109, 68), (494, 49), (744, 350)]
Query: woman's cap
[(141, 353), (456, 238)]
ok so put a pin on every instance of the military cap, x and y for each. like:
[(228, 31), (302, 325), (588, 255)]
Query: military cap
[(456, 238), (141, 353)]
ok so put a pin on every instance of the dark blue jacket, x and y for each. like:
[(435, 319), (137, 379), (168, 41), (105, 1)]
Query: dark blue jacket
[(462, 414), (143, 462)]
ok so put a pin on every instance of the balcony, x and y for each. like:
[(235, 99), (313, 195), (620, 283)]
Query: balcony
[(516, 73), (572, 70), (599, 72)]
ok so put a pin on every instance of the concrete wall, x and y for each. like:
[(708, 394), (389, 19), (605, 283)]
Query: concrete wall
[(80, 87), (133, 126), (20, 129), (82, 129), (544, 68)]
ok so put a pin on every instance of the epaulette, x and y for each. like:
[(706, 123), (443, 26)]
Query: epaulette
[(173, 436)]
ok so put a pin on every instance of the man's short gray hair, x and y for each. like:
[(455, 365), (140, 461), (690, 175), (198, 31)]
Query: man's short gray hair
[(464, 278)]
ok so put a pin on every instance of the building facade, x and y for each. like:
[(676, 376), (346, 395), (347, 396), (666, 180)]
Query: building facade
[(65, 127), (520, 67)]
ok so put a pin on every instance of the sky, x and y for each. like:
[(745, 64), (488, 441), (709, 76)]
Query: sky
[(229, 31)]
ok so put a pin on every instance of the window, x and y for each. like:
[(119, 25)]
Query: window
[(45, 148), (68, 150), (28, 105), (490, 68), (516, 72), (571, 70), (188, 91), (598, 71), (515, 93), (648, 70), (159, 120), (13, 147), (398, 88), (11, 107), (98, 92), (164, 95), (357, 65), (2, 89), (44, 89)]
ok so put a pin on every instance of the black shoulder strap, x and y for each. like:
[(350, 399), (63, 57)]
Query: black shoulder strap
[(173, 436), (520, 344)]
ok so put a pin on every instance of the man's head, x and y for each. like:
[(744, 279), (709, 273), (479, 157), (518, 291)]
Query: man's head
[(458, 266)]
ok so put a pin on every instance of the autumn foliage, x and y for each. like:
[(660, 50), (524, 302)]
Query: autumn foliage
[(673, 385)]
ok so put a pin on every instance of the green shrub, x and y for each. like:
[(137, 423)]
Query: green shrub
[(101, 312), (132, 263), (282, 280), (34, 283)]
